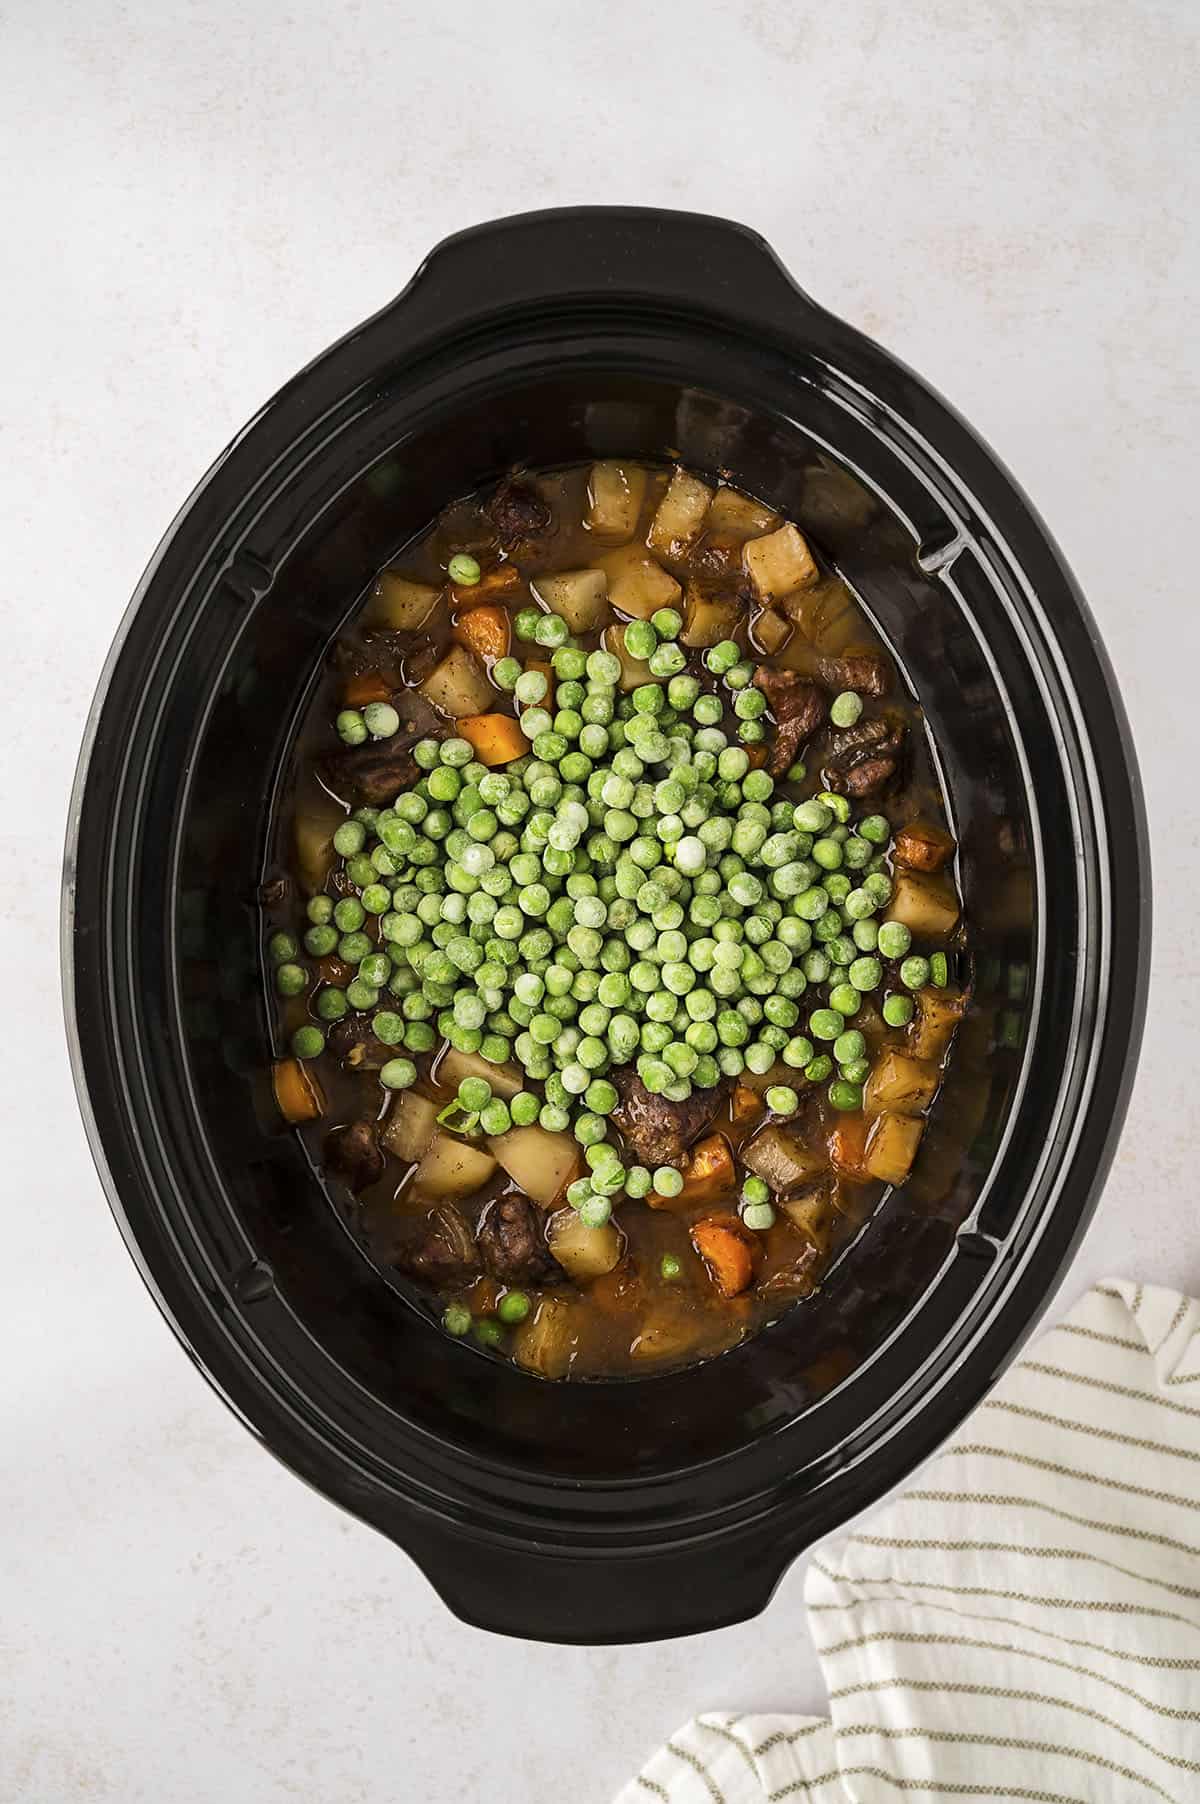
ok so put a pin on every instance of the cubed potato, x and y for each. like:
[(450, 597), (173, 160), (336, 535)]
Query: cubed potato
[(938, 1014), (769, 631), (410, 1126), (584, 1253), (815, 1214), (545, 1342), (780, 563), (615, 495), (453, 1066), (708, 619), (731, 511), (539, 1163), (922, 846), (636, 584), (459, 684), (580, 596), (666, 1334), (892, 1147), (679, 519), (826, 614), (312, 831), (399, 604), (634, 671), (782, 1159), (927, 905), (452, 1169), (900, 1084)]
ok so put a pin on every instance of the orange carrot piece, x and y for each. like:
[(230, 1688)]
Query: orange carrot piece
[(848, 1146), (369, 686), (922, 846), (721, 1242), (492, 586), (484, 630), (496, 738), (708, 1175), (297, 1092)]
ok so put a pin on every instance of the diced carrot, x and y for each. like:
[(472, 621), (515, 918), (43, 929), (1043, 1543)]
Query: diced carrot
[(497, 738), (297, 1092), (921, 846), (848, 1146), (368, 686), (746, 1106), (708, 1175), (484, 630), (492, 586), (722, 1243), (547, 671)]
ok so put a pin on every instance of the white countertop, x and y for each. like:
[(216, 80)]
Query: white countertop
[(196, 200)]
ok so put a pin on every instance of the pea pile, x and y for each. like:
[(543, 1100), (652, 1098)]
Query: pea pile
[(631, 891)]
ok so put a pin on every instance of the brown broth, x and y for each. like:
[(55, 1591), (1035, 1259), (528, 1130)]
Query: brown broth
[(632, 1320)]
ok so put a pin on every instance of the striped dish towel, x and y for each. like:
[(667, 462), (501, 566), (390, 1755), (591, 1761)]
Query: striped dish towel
[(1024, 1623)]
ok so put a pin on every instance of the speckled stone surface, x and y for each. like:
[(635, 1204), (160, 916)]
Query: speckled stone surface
[(196, 199)]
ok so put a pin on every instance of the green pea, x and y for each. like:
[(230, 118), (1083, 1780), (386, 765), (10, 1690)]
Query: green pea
[(897, 1010), (845, 1096), (914, 972), (291, 979), (308, 1043)]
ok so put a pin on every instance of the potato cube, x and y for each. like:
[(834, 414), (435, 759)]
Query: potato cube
[(938, 1014), (452, 1168), (410, 1126), (679, 519), (615, 495), (453, 1066), (769, 631), (636, 584), (399, 604), (584, 1253), (540, 1163), (893, 1147), (900, 1084), (731, 511), (634, 671), (926, 905), (545, 1342), (459, 684), (780, 563), (580, 596), (707, 618)]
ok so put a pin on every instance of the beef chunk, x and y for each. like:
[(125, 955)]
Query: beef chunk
[(374, 773), (799, 709), (352, 1041), (864, 671), (865, 759), (513, 1242), (517, 511), (441, 1248), (658, 1131), (353, 1154)]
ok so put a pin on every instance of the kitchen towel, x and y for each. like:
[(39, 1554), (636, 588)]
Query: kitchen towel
[(1022, 1623)]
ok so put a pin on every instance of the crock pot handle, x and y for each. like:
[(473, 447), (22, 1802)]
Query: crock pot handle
[(538, 1594), (590, 253)]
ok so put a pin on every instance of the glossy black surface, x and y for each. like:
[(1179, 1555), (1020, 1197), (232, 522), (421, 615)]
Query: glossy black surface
[(591, 1512)]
